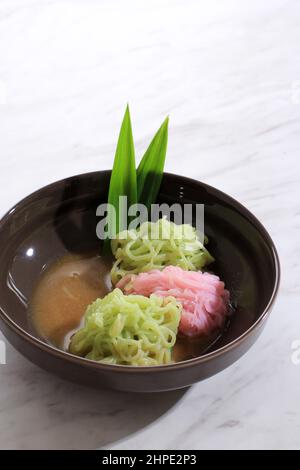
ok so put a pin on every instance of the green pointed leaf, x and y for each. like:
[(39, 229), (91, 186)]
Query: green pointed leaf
[(123, 176), (151, 167)]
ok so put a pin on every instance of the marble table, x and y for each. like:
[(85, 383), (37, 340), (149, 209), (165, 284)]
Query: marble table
[(228, 74)]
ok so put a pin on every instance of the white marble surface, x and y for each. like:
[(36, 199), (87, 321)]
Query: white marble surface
[(228, 73)]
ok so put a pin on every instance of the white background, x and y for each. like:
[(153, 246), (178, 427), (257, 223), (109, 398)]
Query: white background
[(228, 74)]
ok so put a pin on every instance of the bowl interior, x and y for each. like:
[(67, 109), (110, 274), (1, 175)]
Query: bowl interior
[(61, 218)]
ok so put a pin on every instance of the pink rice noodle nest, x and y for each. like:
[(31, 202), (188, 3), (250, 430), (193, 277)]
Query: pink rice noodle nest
[(204, 299)]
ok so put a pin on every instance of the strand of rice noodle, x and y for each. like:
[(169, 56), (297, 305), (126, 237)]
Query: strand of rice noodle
[(155, 245), (128, 329)]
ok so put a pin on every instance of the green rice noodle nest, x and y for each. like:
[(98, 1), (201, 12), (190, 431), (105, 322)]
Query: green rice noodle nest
[(155, 245), (128, 329)]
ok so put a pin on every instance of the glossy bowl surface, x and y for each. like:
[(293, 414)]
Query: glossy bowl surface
[(61, 218)]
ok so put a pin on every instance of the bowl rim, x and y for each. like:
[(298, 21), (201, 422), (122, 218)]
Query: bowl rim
[(59, 353)]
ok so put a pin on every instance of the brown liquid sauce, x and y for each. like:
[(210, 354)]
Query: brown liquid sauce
[(65, 290), (189, 348), (63, 293)]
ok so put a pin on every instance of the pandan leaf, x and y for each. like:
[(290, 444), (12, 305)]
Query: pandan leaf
[(151, 167), (123, 180)]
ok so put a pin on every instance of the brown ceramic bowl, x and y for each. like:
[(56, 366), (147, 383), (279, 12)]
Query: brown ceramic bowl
[(60, 218)]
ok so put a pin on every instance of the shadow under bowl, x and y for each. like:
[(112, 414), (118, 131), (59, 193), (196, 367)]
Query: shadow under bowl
[(61, 218)]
